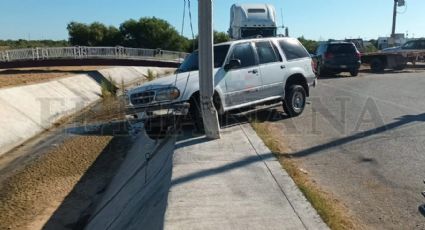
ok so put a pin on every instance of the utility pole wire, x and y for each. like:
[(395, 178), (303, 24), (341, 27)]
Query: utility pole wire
[(184, 16), (191, 24)]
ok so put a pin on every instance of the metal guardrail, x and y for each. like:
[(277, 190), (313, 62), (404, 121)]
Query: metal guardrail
[(84, 52)]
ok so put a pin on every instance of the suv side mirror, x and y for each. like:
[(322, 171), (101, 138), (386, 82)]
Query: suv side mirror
[(233, 64)]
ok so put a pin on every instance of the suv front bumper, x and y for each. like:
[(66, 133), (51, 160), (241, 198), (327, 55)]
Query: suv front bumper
[(158, 110)]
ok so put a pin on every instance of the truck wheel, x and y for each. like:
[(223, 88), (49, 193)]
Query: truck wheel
[(294, 102), (354, 72), (377, 65), (155, 129)]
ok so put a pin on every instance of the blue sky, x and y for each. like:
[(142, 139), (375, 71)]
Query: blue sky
[(315, 19)]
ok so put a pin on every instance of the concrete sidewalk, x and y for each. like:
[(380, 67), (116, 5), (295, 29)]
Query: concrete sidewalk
[(234, 183)]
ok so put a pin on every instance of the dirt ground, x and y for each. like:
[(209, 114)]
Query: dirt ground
[(23, 76), (55, 182), (58, 188)]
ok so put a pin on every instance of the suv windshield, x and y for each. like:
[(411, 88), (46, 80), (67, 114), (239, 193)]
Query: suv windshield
[(341, 48), (191, 62)]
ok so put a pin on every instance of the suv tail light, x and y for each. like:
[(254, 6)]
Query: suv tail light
[(328, 55)]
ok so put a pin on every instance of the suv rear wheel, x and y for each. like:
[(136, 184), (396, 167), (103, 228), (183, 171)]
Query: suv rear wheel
[(295, 99)]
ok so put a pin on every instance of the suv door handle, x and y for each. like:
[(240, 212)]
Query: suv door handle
[(282, 66), (254, 71)]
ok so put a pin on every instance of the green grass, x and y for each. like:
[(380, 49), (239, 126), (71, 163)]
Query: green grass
[(108, 88), (332, 212), (151, 75)]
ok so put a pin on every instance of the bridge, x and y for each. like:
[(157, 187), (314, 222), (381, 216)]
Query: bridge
[(83, 56)]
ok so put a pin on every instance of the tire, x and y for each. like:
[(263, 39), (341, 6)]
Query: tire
[(354, 72), (155, 129), (377, 65), (195, 113), (321, 72), (295, 99)]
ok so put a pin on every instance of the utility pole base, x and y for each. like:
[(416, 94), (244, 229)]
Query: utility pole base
[(210, 116)]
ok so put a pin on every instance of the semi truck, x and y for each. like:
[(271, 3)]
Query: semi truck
[(252, 20)]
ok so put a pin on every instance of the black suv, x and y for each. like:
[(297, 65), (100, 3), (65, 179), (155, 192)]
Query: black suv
[(336, 57)]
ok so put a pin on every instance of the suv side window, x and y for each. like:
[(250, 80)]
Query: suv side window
[(244, 53), (293, 49), (266, 53)]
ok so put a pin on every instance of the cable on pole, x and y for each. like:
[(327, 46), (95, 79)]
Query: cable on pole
[(191, 24)]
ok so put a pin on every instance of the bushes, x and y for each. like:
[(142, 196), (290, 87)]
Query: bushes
[(108, 88)]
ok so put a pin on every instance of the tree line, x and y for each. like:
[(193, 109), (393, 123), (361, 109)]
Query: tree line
[(21, 43), (151, 33), (147, 32)]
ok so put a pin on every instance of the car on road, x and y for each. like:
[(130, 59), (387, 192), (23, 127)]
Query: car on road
[(413, 50), (246, 73), (334, 57), (413, 45)]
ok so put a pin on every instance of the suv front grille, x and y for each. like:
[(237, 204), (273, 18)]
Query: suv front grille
[(142, 98)]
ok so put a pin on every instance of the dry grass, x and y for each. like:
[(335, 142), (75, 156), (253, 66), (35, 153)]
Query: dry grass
[(332, 211), (151, 75), (24, 76), (47, 181)]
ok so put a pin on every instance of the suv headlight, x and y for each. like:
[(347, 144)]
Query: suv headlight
[(168, 94)]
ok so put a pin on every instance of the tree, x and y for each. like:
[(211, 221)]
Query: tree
[(310, 45), (79, 33), (112, 37), (220, 37), (94, 34), (97, 33), (152, 33)]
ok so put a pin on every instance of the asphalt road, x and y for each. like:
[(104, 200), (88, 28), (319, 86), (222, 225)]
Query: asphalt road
[(363, 140)]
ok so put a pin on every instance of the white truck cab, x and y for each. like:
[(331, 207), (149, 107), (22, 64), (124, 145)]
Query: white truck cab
[(252, 20), (247, 73)]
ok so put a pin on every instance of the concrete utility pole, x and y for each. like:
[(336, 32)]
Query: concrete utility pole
[(394, 18), (206, 67)]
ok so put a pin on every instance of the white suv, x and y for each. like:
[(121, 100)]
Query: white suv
[(247, 72)]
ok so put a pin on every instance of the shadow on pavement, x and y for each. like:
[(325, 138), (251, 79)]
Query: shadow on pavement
[(422, 209), (388, 127)]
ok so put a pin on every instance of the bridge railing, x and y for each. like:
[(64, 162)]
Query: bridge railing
[(84, 52)]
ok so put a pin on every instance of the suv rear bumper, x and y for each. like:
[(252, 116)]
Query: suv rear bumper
[(342, 67)]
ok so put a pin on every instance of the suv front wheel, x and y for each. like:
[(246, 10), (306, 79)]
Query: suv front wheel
[(294, 102)]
